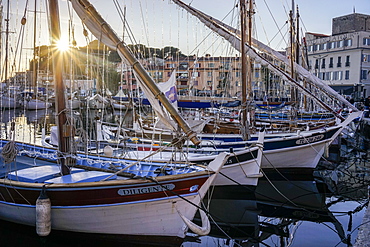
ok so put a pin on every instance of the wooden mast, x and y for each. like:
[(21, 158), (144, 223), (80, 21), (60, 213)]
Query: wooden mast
[(34, 74), (250, 65), (65, 132), (246, 66), (6, 44), (243, 68)]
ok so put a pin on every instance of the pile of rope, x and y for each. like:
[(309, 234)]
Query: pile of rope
[(9, 152)]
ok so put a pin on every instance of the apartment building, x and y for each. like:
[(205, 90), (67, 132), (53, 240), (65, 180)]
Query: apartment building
[(342, 59)]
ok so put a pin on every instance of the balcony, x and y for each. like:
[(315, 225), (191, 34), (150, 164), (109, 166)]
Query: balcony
[(347, 64)]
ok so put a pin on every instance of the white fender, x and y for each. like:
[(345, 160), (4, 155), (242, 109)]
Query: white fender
[(43, 214), (201, 231)]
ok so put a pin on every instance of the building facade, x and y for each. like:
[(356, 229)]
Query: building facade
[(343, 58)]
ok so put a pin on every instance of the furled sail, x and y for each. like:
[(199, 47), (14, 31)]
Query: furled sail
[(232, 35), (102, 31)]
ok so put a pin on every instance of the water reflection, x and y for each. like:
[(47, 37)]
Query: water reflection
[(280, 212)]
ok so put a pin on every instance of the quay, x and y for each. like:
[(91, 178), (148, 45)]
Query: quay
[(362, 239)]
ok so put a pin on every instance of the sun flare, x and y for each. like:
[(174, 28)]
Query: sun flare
[(63, 45)]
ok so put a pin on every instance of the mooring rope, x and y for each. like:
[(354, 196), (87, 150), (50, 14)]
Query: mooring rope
[(10, 150)]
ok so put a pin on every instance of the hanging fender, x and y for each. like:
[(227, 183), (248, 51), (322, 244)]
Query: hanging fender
[(201, 231)]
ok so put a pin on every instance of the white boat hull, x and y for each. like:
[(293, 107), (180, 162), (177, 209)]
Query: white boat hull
[(35, 104), (306, 156), (9, 103), (123, 219)]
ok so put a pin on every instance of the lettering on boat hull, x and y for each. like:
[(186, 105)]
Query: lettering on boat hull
[(145, 190), (310, 139)]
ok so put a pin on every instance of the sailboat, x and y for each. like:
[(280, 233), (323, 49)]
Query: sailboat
[(33, 101), (58, 189), (299, 149)]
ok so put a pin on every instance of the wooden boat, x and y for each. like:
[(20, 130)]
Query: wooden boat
[(100, 201), (289, 152), (61, 189), (243, 167)]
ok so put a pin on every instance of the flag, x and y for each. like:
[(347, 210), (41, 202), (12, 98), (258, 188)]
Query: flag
[(169, 89)]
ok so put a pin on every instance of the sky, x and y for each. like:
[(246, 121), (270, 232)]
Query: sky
[(159, 23)]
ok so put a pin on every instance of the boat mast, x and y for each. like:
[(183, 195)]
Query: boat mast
[(246, 66), (293, 91), (65, 131), (250, 64), (6, 43), (34, 74)]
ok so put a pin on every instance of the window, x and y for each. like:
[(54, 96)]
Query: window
[(195, 74), (327, 76), (209, 74), (171, 65), (211, 65), (256, 74), (340, 75), (237, 74), (364, 73), (346, 76), (348, 42), (340, 43), (237, 83), (183, 76), (158, 75), (332, 45), (331, 61), (209, 83), (365, 58), (309, 48), (335, 75), (366, 41), (226, 65), (183, 66), (316, 63), (323, 63), (339, 64), (347, 61)]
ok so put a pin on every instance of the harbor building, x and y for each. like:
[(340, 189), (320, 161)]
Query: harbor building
[(342, 59)]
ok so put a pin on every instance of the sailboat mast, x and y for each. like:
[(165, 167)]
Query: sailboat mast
[(34, 76), (6, 43), (243, 62), (65, 132), (250, 64)]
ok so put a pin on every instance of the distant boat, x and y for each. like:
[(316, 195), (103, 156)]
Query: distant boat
[(7, 102), (97, 102), (36, 104)]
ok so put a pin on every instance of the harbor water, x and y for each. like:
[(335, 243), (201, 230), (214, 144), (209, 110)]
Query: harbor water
[(322, 209)]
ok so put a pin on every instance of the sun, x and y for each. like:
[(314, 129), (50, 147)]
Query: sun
[(63, 45)]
